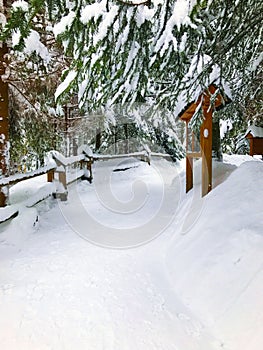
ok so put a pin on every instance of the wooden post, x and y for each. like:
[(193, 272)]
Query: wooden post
[(50, 175), (206, 148), (189, 163), (4, 124), (89, 168), (62, 178), (189, 173)]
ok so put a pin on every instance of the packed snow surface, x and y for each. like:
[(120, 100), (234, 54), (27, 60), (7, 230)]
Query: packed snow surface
[(197, 284)]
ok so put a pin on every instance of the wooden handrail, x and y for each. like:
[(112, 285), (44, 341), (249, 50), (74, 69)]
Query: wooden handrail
[(57, 173), (13, 179)]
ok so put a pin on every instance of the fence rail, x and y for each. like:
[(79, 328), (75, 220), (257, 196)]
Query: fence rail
[(61, 171)]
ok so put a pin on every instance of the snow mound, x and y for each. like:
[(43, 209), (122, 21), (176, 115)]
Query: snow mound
[(217, 267)]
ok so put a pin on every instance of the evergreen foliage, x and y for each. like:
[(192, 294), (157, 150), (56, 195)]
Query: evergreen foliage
[(125, 52), (163, 52)]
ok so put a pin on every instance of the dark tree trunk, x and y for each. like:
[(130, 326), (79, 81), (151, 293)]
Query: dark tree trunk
[(98, 139), (4, 124), (216, 142)]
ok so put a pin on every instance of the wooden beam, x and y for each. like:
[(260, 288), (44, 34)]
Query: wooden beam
[(194, 154)]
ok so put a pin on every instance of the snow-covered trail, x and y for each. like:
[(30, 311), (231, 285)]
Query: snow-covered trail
[(59, 291), (189, 281)]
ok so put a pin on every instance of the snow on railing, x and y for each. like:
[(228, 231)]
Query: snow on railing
[(61, 171), (13, 179)]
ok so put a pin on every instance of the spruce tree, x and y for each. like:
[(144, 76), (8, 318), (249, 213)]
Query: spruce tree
[(163, 52)]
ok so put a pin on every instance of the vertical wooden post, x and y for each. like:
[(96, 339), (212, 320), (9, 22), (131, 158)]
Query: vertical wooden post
[(189, 163), (189, 173), (3, 123), (206, 148), (89, 168), (50, 175), (62, 178)]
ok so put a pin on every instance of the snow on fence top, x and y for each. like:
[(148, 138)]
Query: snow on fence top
[(255, 131), (19, 177), (66, 161)]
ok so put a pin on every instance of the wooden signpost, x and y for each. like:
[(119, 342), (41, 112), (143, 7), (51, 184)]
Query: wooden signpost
[(205, 137)]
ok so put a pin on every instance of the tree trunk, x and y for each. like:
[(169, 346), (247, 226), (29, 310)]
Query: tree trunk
[(98, 139), (216, 141), (4, 152)]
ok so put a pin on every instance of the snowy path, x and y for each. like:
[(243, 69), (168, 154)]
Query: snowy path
[(64, 293), (59, 291)]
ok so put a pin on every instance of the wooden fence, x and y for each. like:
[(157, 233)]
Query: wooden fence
[(62, 171)]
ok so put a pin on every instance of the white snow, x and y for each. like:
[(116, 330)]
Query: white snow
[(144, 14), (179, 17), (198, 64), (33, 43), (2, 16), (257, 62), (20, 176), (225, 126), (65, 22), (64, 85), (181, 12), (256, 131), (108, 18), (93, 11), (16, 37), (20, 4), (85, 149), (193, 280)]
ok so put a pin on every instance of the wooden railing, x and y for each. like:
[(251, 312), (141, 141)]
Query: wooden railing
[(61, 171)]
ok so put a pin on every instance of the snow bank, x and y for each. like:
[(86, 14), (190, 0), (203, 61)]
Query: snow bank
[(217, 267)]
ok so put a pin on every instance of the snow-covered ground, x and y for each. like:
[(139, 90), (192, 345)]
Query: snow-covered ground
[(188, 274)]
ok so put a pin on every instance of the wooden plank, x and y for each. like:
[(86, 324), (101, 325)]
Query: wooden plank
[(194, 154)]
